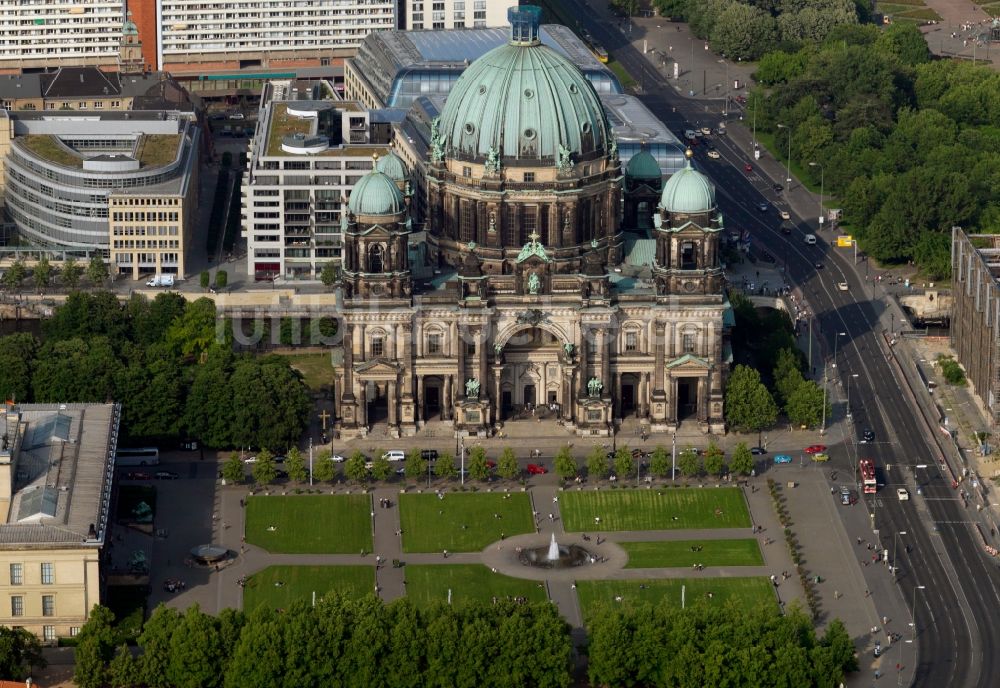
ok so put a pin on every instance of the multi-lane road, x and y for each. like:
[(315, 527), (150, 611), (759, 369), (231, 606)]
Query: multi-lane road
[(941, 563)]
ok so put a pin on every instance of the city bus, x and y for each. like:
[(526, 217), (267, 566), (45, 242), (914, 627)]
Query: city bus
[(867, 469), (140, 456)]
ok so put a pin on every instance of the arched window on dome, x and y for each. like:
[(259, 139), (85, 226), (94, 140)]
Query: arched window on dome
[(689, 255), (376, 258)]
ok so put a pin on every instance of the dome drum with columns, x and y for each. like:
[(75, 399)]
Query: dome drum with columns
[(539, 304)]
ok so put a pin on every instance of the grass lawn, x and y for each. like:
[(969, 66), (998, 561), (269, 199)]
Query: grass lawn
[(623, 76), (431, 524), (315, 368), (301, 581), (310, 524), (748, 592), (664, 509), (676, 553), (430, 583)]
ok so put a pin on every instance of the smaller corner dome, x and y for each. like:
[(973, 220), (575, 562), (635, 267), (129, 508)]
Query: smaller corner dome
[(643, 165), (392, 166), (688, 191), (376, 194)]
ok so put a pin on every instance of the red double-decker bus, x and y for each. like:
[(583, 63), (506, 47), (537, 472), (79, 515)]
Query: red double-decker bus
[(867, 469)]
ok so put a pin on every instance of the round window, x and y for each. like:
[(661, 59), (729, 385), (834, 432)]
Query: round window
[(529, 94), (585, 127), (482, 89), (529, 134), (572, 88), (470, 128)]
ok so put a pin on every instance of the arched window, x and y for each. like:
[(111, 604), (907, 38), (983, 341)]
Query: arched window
[(376, 258), (689, 255)]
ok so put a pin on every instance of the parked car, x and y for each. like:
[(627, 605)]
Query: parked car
[(778, 188), (394, 455), (785, 215), (782, 458), (166, 475), (250, 459), (842, 286), (748, 167), (902, 494), (279, 459), (713, 154), (815, 449), (706, 131), (762, 206), (867, 437), (138, 475), (535, 469), (757, 451), (337, 458), (821, 457), (429, 454)]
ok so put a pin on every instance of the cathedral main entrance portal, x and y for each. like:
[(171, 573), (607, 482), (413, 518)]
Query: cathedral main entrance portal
[(531, 376)]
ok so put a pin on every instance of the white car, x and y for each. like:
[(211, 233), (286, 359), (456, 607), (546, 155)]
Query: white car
[(902, 494), (250, 459), (714, 154), (395, 455), (785, 216), (337, 458), (842, 286), (810, 239), (689, 133), (705, 131)]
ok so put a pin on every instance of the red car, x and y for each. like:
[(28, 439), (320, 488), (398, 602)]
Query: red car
[(535, 469), (815, 449), (491, 465), (748, 168)]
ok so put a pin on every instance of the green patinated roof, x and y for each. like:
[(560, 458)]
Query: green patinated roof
[(376, 194), (525, 100), (685, 359), (688, 191), (643, 165), (392, 166), (639, 252)]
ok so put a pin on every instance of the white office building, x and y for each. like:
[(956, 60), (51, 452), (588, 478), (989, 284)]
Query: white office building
[(452, 14)]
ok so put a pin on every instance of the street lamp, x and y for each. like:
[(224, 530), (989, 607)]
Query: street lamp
[(788, 162), (822, 179), (895, 547)]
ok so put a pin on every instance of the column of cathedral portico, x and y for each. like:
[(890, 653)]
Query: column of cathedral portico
[(660, 344), (584, 367), (446, 409), (616, 402), (481, 349)]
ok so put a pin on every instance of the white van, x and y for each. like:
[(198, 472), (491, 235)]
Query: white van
[(161, 281), (395, 455), (810, 239)]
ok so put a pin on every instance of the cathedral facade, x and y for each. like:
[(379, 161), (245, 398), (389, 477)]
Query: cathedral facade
[(564, 286)]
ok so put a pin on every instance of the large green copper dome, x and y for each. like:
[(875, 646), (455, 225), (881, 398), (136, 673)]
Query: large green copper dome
[(392, 166), (376, 194), (523, 100), (688, 191)]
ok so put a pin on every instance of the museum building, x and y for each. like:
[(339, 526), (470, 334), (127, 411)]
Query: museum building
[(549, 282)]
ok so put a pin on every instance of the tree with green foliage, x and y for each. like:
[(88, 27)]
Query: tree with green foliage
[(14, 275), (264, 469), (324, 469), (660, 462), (743, 32), (233, 470), (597, 463), (208, 412), (123, 671), (258, 658), (270, 402), (749, 406), (444, 467), (221, 279), (19, 652), (507, 467), (476, 464), (76, 370), (42, 273), (675, 10), (416, 465), (354, 467), (295, 466), (97, 271), (381, 468), (95, 648), (565, 463), (689, 463), (328, 275), (742, 461), (197, 330), (715, 460), (204, 279), (195, 651), (805, 405), (624, 463), (71, 273), (17, 360)]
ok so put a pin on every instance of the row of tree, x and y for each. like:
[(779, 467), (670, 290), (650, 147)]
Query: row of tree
[(742, 30), (910, 145), (169, 362), (337, 642), (43, 274), (344, 642), (706, 645)]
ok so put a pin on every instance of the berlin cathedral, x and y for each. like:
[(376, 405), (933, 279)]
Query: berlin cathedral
[(549, 299)]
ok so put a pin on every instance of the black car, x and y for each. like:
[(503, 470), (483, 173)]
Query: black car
[(867, 437), (429, 454), (757, 451), (166, 475), (762, 207), (778, 188), (818, 265)]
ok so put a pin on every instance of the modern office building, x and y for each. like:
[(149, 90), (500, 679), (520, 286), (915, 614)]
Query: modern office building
[(56, 473), (394, 68), (417, 15), (975, 318), (529, 293), (105, 181), (309, 150)]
